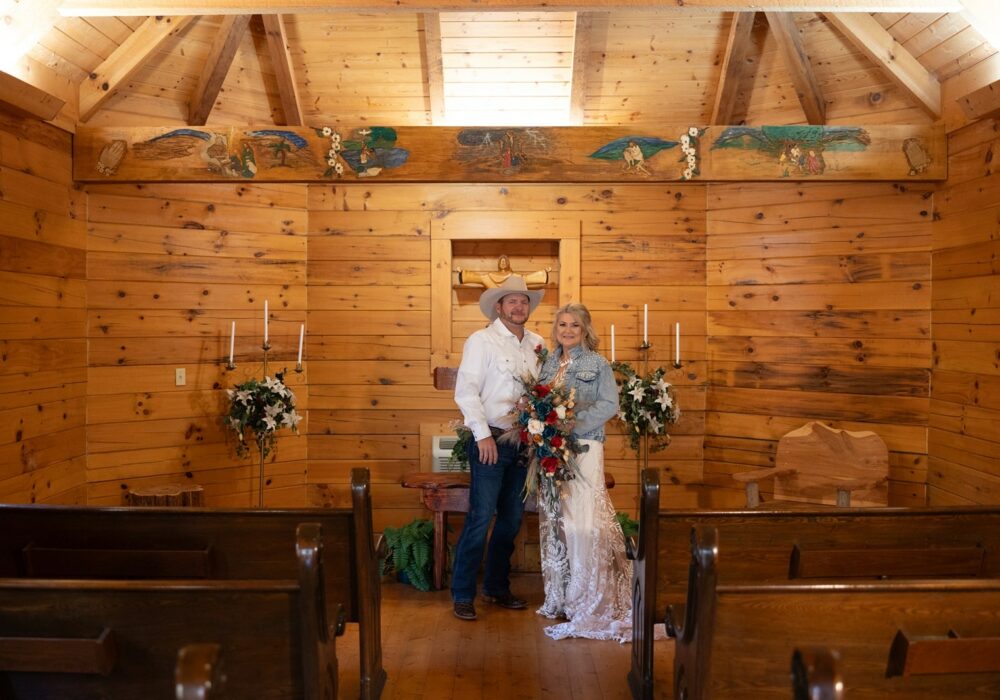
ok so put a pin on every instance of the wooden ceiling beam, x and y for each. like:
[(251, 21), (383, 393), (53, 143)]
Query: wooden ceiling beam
[(284, 72), (125, 61), (734, 68), (871, 39), (104, 8), (581, 56), (983, 103), (213, 73), (27, 99), (434, 63), (786, 34)]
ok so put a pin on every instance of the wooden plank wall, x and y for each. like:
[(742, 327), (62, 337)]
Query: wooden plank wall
[(170, 266), (965, 399), (43, 374), (818, 308), (369, 308)]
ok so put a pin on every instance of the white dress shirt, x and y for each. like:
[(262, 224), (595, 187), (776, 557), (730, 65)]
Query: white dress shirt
[(488, 386)]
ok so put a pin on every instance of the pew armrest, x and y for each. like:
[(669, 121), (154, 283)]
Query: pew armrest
[(631, 548), (59, 655), (199, 674)]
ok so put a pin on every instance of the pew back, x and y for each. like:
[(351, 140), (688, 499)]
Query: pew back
[(737, 638), (206, 543), (66, 638)]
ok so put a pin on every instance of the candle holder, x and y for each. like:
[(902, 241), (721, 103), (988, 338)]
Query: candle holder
[(642, 461)]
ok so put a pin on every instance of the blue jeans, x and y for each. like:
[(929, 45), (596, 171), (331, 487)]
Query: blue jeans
[(494, 488)]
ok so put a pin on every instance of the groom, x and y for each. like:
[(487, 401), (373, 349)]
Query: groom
[(486, 389)]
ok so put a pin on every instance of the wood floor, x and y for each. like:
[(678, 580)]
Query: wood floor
[(429, 654)]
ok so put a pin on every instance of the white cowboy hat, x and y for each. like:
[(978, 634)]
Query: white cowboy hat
[(514, 284)]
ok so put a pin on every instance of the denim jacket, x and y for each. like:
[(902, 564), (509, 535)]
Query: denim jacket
[(596, 390)]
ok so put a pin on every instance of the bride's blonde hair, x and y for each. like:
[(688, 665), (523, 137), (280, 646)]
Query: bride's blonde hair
[(581, 314)]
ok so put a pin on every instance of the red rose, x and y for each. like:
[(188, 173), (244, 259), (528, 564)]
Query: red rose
[(542, 390), (552, 418), (538, 348), (550, 464), (557, 441), (525, 437)]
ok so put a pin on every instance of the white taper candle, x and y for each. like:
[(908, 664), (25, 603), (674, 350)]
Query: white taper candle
[(265, 322), (302, 333), (645, 323), (612, 342), (232, 341), (677, 343)]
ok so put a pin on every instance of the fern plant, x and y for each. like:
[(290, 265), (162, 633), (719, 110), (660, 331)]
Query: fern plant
[(409, 550), (630, 528)]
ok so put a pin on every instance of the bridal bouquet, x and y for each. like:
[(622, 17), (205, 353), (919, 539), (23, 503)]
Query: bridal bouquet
[(646, 405), (544, 425), (261, 408)]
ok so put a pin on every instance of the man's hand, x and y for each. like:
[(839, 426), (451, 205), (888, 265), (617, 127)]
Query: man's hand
[(487, 450)]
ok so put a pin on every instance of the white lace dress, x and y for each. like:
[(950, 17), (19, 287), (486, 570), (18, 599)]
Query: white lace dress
[(588, 578)]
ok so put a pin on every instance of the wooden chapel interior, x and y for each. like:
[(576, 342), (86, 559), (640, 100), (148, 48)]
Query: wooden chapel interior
[(868, 305)]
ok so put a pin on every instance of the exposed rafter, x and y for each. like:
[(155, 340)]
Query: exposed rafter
[(25, 98), (213, 74), (982, 103), (125, 61), (581, 54), (434, 65), (807, 89), (284, 72), (871, 39), (103, 8), (734, 68)]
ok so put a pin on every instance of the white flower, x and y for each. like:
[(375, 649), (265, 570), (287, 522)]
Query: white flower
[(535, 426), (692, 161), (269, 423), (685, 139), (339, 167), (654, 426), (637, 393), (335, 139), (665, 401), (688, 174), (332, 162), (327, 131), (332, 153), (561, 412), (693, 131), (291, 419)]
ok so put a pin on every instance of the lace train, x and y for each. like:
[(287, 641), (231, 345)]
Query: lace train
[(587, 576)]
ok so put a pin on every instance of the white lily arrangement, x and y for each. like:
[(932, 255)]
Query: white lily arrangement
[(647, 405), (261, 407)]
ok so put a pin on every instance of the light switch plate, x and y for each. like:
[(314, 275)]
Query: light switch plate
[(180, 376)]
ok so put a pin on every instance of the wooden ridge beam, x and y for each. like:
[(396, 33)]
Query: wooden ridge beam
[(734, 68), (284, 71), (807, 89), (434, 64), (125, 61), (903, 69), (25, 98), (104, 8), (213, 73)]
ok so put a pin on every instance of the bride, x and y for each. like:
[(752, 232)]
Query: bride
[(587, 576)]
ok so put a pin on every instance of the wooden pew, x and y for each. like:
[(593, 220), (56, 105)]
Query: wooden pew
[(736, 638), (102, 638), (199, 674), (814, 543), (207, 543)]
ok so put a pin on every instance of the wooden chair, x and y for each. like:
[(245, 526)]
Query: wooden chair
[(820, 464)]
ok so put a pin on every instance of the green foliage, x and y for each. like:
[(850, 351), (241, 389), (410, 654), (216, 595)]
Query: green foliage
[(459, 453), (630, 527), (410, 550)]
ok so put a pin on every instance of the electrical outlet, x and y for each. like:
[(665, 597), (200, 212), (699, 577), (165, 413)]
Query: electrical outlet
[(180, 376)]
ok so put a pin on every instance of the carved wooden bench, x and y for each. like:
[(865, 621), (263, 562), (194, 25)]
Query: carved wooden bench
[(207, 543), (820, 464)]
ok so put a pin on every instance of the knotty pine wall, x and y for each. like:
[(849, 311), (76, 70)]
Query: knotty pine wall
[(369, 313), (43, 361), (964, 439), (819, 306), (170, 266)]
